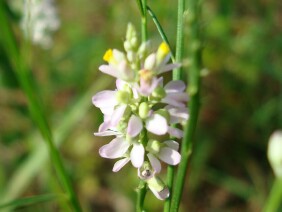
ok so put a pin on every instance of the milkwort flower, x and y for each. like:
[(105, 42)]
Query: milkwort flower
[(141, 110)]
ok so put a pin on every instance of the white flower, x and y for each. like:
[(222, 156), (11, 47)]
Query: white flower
[(39, 21), (167, 152), (155, 123), (118, 148), (155, 184), (175, 94)]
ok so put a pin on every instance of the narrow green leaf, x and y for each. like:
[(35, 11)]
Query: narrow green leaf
[(33, 200), (160, 29)]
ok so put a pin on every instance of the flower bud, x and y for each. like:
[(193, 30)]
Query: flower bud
[(143, 110), (130, 56), (159, 93), (150, 62), (153, 146), (134, 41), (127, 46), (275, 153), (122, 97), (157, 186), (142, 50)]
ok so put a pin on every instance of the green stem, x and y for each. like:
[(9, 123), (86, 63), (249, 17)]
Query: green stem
[(141, 194), (160, 29), (24, 76), (142, 188), (179, 38), (176, 75), (275, 197), (194, 51), (144, 21), (169, 183)]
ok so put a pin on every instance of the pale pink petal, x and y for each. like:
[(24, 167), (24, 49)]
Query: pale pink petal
[(120, 84), (147, 88), (169, 156), (107, 133), (161, 195), (134, 126), (125, 72), (118, 55), (117, 115), (157, 124), (105, 99), (110, 70), (115, 149), (176, 99), (175, 86), (155, 163), (169, 67), (120, 163), (107, 110), (137, 155), (174, 132), (172, 144), (104, 126), (178, 112)]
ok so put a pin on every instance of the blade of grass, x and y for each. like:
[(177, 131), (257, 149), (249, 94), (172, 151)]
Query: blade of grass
[(24, 77), (32, 200), (23, 176)]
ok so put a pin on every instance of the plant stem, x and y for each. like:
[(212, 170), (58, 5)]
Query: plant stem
[(275, 197), (194, 52), (144, 21), (142, 188), (176, 75), (169, 183), (179, 39), (24, 76), (141, 193)]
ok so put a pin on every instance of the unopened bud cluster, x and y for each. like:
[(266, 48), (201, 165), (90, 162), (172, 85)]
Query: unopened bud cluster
[(141, 109)]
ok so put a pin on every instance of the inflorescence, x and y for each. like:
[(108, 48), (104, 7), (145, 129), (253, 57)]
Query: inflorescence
[(141, 110)]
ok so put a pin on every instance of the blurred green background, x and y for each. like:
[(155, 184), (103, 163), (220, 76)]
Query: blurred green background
[(241, 106)]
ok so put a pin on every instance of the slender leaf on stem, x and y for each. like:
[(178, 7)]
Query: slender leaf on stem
[(160, 30), (32, 200), (139, 3)]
